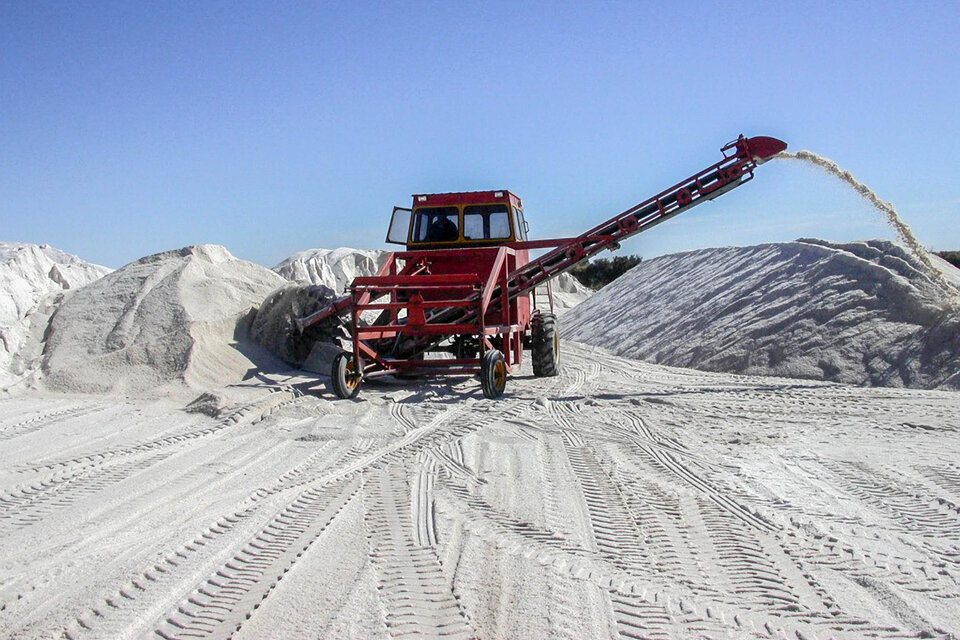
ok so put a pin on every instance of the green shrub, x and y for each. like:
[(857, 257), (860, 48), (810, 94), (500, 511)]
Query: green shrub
[(600, 272), (953, 257)]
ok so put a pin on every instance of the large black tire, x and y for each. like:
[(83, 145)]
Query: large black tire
[(493, 374), (545, 345), (346, 378)]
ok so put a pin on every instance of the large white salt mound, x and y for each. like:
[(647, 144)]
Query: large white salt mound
[(29, 275), (862, 313), (336, 268), (174, 317)]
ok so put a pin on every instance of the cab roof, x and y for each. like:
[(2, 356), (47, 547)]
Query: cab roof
[(466, 197)]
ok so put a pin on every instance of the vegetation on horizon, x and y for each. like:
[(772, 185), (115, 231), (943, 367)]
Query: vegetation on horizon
[(602, 271), (953, 257)]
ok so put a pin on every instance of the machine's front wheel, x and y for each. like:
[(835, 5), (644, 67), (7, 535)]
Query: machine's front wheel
[(493, 374), (545, 345), (346, 376)]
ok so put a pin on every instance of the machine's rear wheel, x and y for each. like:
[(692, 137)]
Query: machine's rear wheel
[(545, 345), (346, 375), (493, 374)]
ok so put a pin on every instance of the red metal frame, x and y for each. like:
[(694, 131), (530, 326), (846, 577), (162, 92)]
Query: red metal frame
[(407, 288), (482, 293)]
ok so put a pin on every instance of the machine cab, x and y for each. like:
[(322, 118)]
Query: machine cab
[(459, 220)]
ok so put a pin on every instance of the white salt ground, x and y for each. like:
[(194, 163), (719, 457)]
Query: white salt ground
[(619, 499)]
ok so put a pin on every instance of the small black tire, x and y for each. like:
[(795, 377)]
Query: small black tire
[(346, 378), (545, 345), (493, 374)]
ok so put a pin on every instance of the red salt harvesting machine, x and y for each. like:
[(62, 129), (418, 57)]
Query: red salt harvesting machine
[(465, 297)]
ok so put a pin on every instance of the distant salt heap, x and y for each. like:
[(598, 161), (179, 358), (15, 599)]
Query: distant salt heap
[(167, 318), (863, 313), (568, 292), (336, 268), (30, 277)]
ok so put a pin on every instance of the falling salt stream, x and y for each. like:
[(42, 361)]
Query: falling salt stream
[(904, 233)]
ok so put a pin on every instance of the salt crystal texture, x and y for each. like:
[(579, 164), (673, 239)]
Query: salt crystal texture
[(30, 277), (865, 313), (174, 318)]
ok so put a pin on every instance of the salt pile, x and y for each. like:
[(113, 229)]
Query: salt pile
[(903, 230), (568, 292), (336, 269), (175, 317), (865, 313), (30, 277)]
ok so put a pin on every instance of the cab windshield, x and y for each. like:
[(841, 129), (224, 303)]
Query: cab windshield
[(436, 224), (486, 222)]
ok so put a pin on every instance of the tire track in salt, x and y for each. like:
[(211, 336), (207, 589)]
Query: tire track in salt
[(421, 499), (565, 612), (754, 576), (675, 466), (132, 595), (621, 543), (947, 477), (756, 580), (759, 573), (926, 516), (566, 616), (418, 599), (666, 596), (399, 414), (814, 550), (88, 475), (614, 527), (31, 425), (260, 409), (559, 412), (315, 473), (232, 595), (665, 523), (829, 541), (579, 378), (450, 457), (526, 530), (28, 505)]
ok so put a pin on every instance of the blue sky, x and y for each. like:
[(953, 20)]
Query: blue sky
[(131, 128)]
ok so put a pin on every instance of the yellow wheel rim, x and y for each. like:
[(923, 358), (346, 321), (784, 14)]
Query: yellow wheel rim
[(500, 374), (352, 378)]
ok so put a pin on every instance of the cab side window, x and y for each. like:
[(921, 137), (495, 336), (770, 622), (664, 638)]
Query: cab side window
[(520, 224)]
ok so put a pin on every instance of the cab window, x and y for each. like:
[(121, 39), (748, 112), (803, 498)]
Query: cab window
[(486, 222), (520, 223), (436, 224)]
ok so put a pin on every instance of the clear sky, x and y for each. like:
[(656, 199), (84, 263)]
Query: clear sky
[(270, 127)]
